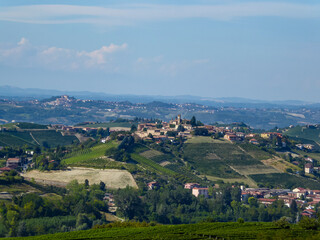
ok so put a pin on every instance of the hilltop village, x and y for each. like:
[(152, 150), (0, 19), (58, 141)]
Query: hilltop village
[(175, 130)]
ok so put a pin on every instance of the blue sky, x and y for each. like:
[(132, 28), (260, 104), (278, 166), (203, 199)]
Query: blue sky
[(255, 49)]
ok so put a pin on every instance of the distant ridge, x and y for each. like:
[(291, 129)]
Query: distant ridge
[(36, 93)]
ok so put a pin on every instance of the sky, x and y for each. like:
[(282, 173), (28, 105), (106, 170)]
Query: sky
[(268, 50)]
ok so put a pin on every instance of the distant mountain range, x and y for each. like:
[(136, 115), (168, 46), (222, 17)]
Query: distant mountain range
[(35, 93)]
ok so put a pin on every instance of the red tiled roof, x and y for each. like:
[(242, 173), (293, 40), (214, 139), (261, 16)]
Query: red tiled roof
[(13, 159), (5, 169)]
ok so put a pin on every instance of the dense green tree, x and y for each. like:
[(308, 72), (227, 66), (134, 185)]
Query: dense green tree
[(128, 202), (193, 121), (133, 128)]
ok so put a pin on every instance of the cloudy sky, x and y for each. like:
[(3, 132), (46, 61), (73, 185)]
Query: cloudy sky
[(213, 48)]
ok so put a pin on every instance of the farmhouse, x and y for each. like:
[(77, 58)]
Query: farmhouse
[(5, 169), (266, 201), (13, 163), (230, 136), (191, 185), (308, 146), (309, 213), (200, 191), (270, 135), (308, 168), (253, 141)]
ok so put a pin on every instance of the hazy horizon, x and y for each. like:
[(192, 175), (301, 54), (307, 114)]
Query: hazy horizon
[(229, 99)]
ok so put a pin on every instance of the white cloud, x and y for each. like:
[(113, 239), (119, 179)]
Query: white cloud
[(26, 54), (99, 56), (23, 41), (130, 14)]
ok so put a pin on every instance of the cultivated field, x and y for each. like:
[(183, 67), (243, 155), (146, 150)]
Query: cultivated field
[(255, 151), (89, 154), (113, 178), (216, 159)]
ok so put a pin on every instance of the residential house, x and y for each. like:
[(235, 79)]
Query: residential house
[(308, 146), (265, 135), (266, 201), (5, 169), (152, 185), (13, 163), (230, 136), (253, 141), (191, 185), (197, 191), (251, 135), (308, 168), (309, 213)]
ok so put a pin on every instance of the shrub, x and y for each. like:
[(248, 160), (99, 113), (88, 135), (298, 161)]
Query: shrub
[(240, 220), (308, 223), (282, 223)]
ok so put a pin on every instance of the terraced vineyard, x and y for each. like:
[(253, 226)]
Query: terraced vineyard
[(7, 139), (215, 159), (191, 231), (153, 166), (255, 151), (53, 138)]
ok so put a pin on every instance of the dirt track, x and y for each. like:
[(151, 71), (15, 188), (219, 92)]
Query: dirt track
[(113, 178)]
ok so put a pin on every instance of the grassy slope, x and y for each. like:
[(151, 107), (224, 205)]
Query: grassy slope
[(91, 154), (191, 231)]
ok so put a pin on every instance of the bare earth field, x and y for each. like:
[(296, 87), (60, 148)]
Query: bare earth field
[(113, 178)]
